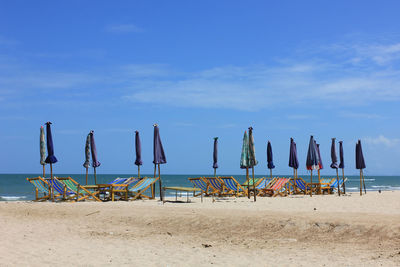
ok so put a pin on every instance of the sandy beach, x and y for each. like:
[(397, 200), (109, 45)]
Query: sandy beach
[(291, 231)]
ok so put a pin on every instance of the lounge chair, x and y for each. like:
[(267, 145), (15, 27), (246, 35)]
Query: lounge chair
[(63, 193), (329, 188), (41, 187), (140, 187), (279, 187), (80, 192), (299, 186), (119, 188), (201, 184), (232, 186), (265, 183), (216, 185)]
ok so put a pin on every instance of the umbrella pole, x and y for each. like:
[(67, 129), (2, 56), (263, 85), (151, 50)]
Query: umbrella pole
[(310, 185), (319, 180), (254, 186), (215, 172), (248, 182), (95, 176), (87, 172), (344, 184), (138, 171), (294, 178), (52, 182), (270, 172), (44, 171), (159, 181), (338, 185), (365, 190), (360, 182)]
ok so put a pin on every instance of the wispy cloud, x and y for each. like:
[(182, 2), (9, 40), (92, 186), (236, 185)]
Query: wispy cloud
[(382, 140), (124, 28), (299, 117), (357, 115)]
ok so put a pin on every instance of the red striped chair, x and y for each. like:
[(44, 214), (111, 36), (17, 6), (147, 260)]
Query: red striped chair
[(280, 186)]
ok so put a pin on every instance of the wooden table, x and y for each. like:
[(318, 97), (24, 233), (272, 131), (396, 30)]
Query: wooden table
[(314, 187), (183, 189)]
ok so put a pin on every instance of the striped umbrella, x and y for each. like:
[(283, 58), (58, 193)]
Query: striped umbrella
[(360, 165), (86, 164), (252, 157), (138, 150), (334, 164), (42, 150), (95, 162), (159, 156), (215, 156), (245, 159)]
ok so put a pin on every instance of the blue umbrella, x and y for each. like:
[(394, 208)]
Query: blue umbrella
[(138, 150), (360, 165), (341, 164), (95, 162), (215, 156), (312, 162), (270, 161), (293, 161), (159, 156), (50, 153), (334, 164)]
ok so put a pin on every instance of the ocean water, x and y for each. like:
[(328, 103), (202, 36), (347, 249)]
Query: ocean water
[(15, 186)]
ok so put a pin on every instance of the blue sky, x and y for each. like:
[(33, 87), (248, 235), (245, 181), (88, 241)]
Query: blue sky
[(199, 69)]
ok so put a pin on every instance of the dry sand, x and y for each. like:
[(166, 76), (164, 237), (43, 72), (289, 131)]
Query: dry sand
[(291, 231)]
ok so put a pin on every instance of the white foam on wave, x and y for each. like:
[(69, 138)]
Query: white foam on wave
[(12, 198), (367, 180)]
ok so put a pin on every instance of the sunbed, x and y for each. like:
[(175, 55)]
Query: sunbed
[(81, 193), (280, 187), (232, 186), (140, 188)]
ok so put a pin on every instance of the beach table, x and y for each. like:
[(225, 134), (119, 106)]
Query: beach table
[(183, 189), (314, 187)]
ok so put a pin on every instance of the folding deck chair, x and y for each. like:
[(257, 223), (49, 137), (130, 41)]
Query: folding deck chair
[(140, 187), (333, 185), (119, 187), (216, 185), (81, 193), (300, 186), (232, 186), (201, 184), (280, 187), (41, 187)]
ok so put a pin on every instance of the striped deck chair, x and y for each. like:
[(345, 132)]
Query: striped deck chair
[(41, 187), (62, 190), (81, 193), (203, 185), (140, 187), (119, 188), (280, 187), (333, 185), (216, 185), (232, 186), (265, 183), (301, 186)]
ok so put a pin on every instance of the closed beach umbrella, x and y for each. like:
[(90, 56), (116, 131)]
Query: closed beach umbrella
[(270, 161), (293, 161), (138, 150), (312, 157), (42, 150), (360, 165), (86, 164), (51, 159), (334, 164), (159, 156), (252, 157), (245, 159), (215, 156), (95, 162), (320, 165), (341, 164)]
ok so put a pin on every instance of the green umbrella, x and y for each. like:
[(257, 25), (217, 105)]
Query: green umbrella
[(252, 157), (245, 159), (42, 150)]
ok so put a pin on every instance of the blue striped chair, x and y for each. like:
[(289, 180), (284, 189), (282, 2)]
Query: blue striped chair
[(232, 186), (138, 190)]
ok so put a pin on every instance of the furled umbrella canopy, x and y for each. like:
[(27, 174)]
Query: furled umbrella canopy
[(215, 153), (42, 147), (86, 164), (360, 162), (95, 162), (138, 149), (293, 161), (341, 156), (270, 161), (252, 150), (158, 150), (312, 157), (321, 166), (244, 157), (334, 164), (50, 148)]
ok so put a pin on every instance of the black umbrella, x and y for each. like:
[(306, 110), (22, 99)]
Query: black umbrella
[(312, 162), (138, 150), (215, 156), (95, 162), (341, 164), (334, 164), (293, 161), (51, 159), (360, 165), (159, 156), (270, 161)]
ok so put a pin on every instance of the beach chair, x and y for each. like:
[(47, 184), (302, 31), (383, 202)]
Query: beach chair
[(119, 188), (63, 193), (201, 184), (264, 183), (280, 186), (299, 186), (141, 187), (232, 186), (79, 191), (216, 185), (41, 187), (332, 186)]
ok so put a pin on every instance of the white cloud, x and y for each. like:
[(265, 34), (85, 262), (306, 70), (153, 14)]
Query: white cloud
[(356, 115), (123, 28), (382, 140)]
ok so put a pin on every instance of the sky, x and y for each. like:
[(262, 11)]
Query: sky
[(199, 69)]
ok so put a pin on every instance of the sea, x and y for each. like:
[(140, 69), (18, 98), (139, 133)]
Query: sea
[(15, 187)]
